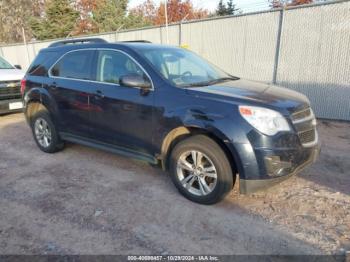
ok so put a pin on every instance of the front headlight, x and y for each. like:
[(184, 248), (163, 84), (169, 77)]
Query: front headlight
[(267, 121)]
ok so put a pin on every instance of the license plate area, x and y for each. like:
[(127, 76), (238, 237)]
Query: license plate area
[(15, 105)]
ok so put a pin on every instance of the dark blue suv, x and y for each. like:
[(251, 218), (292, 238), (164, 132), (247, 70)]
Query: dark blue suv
[(167, 106)]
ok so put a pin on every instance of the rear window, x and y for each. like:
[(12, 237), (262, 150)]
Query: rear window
[(76, 65)]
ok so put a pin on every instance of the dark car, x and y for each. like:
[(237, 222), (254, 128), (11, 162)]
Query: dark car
[(167, 106)]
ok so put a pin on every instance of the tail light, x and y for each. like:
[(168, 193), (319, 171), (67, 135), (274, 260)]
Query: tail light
[(23, 85)]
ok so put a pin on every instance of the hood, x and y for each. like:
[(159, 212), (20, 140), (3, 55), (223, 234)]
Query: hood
[(254, 93), (11, 74)]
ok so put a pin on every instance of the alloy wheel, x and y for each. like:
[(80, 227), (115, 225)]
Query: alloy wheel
[(42, 132), (196, 172)]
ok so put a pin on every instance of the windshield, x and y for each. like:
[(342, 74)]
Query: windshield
[(183, 68), (4, 64)]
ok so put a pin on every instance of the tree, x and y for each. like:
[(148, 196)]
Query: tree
[(85, 23), (231, 8), (105, 15), (226, 9), (221, 10), (59, 20), (109, 14), (177, 11), (147, 11), (13, 17)]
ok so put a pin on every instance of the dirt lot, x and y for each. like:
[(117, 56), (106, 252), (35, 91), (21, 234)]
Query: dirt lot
[(84, 201)]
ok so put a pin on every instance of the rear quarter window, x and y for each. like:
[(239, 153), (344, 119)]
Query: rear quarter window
[(42, 63)]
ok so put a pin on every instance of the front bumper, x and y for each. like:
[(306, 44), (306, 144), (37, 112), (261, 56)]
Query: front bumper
[(248, 186), (11, 106)]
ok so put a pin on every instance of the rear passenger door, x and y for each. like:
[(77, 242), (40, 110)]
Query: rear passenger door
[(70, 85), (122, 115)]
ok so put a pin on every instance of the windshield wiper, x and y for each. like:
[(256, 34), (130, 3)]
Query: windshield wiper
[(214, 81), (222, 79)]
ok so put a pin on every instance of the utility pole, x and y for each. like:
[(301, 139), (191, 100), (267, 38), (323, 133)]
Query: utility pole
[(26, 46), (166, 21)]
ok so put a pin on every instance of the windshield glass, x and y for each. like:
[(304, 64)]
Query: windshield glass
[(184, 68), (4, 64)]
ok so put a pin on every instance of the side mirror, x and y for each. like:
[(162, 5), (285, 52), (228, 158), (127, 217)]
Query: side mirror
[(18, 66), (135, 81)]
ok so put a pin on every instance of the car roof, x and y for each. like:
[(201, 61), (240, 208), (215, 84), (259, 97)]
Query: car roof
[(124, 45)]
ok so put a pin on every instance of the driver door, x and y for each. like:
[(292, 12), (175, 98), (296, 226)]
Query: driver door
[(120, 115)]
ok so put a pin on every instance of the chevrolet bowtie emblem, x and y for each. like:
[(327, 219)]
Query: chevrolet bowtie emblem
[(11, 85)]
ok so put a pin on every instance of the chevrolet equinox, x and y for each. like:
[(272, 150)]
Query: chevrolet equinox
[(169, 107)]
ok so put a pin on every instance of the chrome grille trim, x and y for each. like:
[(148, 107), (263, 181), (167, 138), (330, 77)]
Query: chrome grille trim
[(302, 113), (10, 90), (312, 143), (308, 118), (305, 115)]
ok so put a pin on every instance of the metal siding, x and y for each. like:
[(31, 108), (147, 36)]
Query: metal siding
[(243, 45), (152, 34), (314, 57)]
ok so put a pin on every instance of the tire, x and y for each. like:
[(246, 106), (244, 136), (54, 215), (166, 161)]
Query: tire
[(52, 143), (202, 187)]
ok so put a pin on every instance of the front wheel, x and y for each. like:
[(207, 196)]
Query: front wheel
[(200, 170)]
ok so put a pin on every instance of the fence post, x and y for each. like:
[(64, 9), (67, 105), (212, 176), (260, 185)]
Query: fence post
[(161, 34), (180, 33), (278, 46)]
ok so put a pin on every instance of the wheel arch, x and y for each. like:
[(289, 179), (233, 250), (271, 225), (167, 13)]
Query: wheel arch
[(180, 133), (38, 99)]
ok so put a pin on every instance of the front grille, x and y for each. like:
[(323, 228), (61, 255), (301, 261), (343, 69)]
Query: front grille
[(301, 114), (305, 123), (308, 136), (10, 90)]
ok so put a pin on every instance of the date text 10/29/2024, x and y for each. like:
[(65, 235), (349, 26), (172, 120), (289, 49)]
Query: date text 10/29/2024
[(173, 258)]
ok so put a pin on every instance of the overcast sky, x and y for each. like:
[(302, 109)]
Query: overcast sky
[(245, 5)]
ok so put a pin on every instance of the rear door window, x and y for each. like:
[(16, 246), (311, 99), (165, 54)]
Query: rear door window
[(75, 65)]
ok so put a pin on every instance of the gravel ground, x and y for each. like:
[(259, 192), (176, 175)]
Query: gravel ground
[(85, 201)]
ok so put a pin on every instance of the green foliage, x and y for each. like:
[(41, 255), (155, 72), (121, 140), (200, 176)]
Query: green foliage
[(109, 15), (59, 20), (136, 21), (221, 9), (226, 9), (231, 8)]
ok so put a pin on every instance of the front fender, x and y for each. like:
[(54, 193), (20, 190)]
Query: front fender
[(225, 140), (217, 126)]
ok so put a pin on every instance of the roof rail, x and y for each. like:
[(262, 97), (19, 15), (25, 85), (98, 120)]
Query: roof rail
[(78, 40), (137, 41)]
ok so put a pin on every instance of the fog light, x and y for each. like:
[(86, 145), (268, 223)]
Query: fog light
[(275, 166)]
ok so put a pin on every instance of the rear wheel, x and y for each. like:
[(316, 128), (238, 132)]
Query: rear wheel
[(200, 170), (45, 133)]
